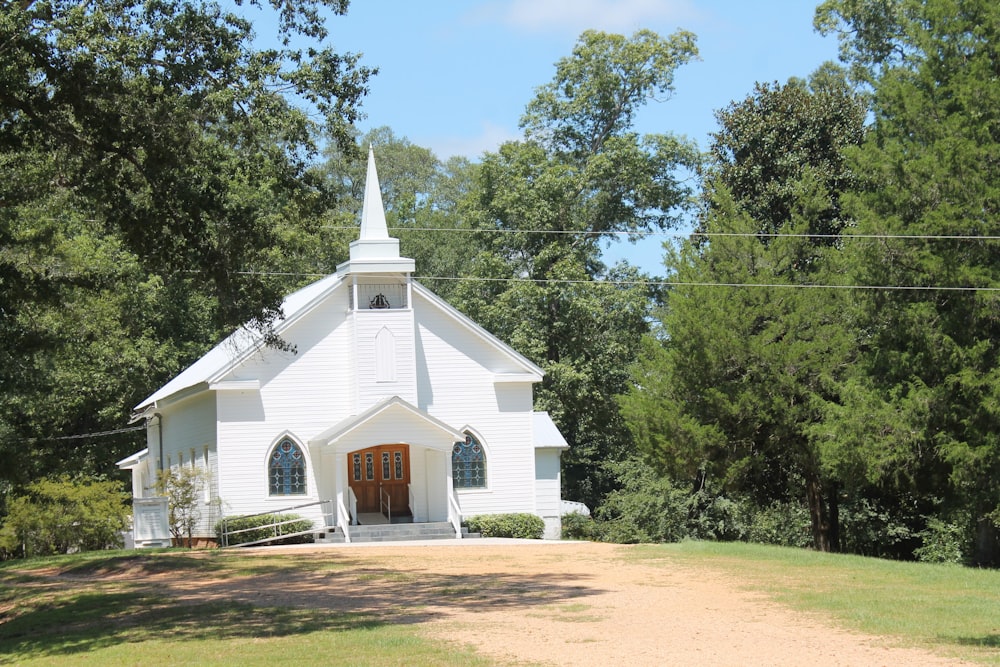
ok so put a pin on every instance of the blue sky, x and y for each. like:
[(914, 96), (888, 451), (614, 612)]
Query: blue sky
[(455, 75)]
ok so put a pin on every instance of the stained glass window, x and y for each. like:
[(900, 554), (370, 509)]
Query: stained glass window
[(398, 464), (356, 460), (468, 464), (369, 466), (287, 470), (386, 469)]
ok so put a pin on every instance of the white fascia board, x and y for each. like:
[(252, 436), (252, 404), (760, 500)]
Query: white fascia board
[(132, 461), (506, 378), (235, 385), (530, 368)]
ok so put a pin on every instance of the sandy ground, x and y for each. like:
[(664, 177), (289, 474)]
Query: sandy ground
[(570, 604)]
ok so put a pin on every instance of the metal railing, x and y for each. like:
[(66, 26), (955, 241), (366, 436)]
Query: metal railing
[(276, 528)]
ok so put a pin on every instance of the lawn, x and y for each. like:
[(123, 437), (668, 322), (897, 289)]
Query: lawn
[(935, 606), (177, 607)]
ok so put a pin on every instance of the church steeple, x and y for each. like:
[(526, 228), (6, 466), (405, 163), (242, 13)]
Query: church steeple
[(375, 251)]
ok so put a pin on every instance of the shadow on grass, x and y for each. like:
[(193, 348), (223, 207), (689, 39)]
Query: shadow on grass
[(986, 641), (99, 602), (88, 621)]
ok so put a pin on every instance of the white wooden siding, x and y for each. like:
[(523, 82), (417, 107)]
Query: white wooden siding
[(394, 324), (301, 394), (456, 384)]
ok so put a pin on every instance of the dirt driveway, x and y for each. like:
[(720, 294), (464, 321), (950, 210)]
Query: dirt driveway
[(580, 604)]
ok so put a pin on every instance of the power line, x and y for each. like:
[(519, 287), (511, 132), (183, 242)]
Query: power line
[(663, 283), (98, 434), (681, 236)]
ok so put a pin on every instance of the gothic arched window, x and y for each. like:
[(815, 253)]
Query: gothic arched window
[(286, 470), (468, 464)]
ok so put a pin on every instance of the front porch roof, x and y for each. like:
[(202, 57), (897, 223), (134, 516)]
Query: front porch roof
[(390, 421), (134, 460)]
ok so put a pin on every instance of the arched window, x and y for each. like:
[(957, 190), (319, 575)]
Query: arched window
[(286, 470), (468, 464)]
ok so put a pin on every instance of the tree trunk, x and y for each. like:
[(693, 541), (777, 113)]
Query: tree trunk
[(818, 514), (987, 549)]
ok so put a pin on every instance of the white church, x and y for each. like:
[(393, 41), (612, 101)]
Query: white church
[(392, 407)]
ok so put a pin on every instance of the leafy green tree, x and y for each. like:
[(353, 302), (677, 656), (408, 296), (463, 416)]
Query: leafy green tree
[(184, 488), (149, 156), (61, 515), (921, 414), (748, 353), (580, 176)]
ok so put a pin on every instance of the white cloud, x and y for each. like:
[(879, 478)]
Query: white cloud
[(489, 138), (541, 16)]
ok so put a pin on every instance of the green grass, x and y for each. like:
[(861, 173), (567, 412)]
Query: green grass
[(70, 610), (952, 609), (98, 609)]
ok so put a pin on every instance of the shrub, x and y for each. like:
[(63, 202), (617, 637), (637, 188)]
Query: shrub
[(183, 489), (942, 542), (65, 515), (525, 526), (260, 527), (576, 526), (785, 524)]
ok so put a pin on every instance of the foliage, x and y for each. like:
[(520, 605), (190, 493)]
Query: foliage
[(731, 387), (63, 515), (652, 508), (784, 524), (150, 157), (943, 542), (920, 413), (580, 176), (184, 488), (517, 525), (261, 527), (576, 526)]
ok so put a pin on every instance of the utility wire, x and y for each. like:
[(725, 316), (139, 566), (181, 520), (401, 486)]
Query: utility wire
[(659, 283), (98, 434), (680, 236)]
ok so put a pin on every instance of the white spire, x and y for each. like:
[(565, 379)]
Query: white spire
[(373, 214), (375, 251)]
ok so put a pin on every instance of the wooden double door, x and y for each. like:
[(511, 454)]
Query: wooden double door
[(378, 475)]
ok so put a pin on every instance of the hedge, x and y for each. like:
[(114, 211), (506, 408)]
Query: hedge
[(528, 526), (265, 529)]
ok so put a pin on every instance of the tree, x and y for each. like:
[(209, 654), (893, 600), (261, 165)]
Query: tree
[(60, 515), (545, 204), (184, 489), (749, 351), (148, 152), (921, 414)]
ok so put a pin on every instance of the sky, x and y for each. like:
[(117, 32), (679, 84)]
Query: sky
[(455, 75)]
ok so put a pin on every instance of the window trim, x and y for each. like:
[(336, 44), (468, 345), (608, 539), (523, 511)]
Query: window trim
[(469, 432), (306, 490)]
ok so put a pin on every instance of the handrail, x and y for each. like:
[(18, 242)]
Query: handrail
[(352, 499), (409, 497), (455, 515), (385, 501), (275, 525), (342, 517)]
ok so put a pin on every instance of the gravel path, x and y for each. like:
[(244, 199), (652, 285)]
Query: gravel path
[(581, 604)]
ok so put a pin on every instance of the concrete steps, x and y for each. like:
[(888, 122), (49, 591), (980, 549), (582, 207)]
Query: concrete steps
[(396, 532)]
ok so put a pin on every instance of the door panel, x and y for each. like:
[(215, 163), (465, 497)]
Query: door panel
[(383, 468)]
